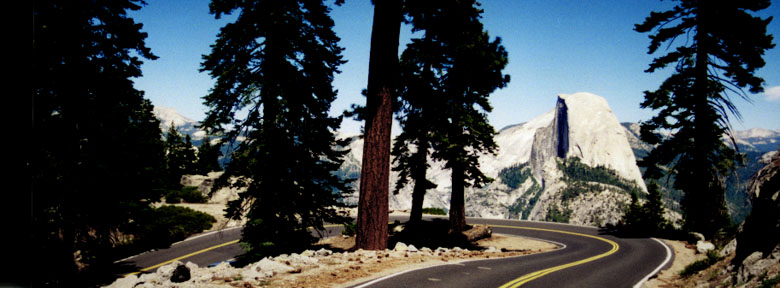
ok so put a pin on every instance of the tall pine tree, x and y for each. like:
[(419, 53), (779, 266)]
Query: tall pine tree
[(448, 75), (371, 230), (95, 147), (208, 157), (714, 60), (276, 63), (180, 157)]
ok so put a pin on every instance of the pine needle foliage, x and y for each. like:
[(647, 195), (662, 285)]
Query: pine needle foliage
[(95, 152), (275, 64), (447, 76), (714, 47)]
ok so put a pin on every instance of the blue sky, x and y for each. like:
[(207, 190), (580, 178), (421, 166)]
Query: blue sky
[(554, 47)]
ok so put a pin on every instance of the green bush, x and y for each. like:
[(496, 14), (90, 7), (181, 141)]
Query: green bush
[(556, 215), (349, 229), (515, 175), (434, 211), (186, 195), (159, 227), (695, 267), (771, 282)]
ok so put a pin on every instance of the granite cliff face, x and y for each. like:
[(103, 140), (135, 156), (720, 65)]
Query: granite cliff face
[(581, 126)]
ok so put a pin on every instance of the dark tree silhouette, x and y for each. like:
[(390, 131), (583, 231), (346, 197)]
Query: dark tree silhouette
[(468, 68), (94, 138), (180, 156), (382, 81), (276, 63), (714, 60), (208, 157)]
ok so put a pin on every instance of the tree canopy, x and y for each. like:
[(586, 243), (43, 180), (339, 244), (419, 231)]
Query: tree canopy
[(275, 64), (447, 76), (713, 61), (94, 138)]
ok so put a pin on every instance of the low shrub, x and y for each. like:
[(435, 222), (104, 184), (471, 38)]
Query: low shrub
[(159, 227), (186, 195), (350, 229), (695, 267), (434, 211)]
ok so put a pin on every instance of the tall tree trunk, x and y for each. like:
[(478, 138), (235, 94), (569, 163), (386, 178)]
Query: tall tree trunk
[(419, 176), (375, 173), (458, 201), (418, 197), (706, 198)]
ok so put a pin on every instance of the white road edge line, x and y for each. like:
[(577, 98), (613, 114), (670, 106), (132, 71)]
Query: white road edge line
[(657, 269), (372, 282)]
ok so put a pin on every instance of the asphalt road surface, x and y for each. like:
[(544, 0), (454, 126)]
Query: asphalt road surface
[(587, 259)]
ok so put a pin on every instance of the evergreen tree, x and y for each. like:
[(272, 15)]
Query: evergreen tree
[(371, 231), (716, 60), (95, 147), (190, 156), (208, 157), (276, 62), (180, 156), (645, 220), (418, 106), (452, 70)]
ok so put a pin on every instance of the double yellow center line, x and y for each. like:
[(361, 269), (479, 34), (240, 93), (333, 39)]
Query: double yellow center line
[(534, 275)]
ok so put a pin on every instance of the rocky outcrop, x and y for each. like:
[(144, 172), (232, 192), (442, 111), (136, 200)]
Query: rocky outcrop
[(581, 125), (205, 183), (585, 127), (759, 236)]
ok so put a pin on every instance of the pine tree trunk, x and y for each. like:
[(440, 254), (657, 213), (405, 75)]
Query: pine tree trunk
[(706, 199), (420, 181), (418, 196), (375, 173), (458, 201)]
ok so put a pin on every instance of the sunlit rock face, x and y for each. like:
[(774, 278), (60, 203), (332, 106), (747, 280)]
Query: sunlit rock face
[(581, 125)]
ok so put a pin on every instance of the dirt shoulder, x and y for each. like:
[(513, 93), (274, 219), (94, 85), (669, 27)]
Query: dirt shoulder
[(684, 255)]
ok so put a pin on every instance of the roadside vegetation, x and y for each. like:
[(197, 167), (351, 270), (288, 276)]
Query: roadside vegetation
[(695, 267)]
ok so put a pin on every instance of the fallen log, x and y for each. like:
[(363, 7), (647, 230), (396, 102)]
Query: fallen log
[(478, 232)]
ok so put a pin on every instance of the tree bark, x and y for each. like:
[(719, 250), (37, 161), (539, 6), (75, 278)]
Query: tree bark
[(375, 173), (458, 201), (706, 199), (418, 196), (420, 181)]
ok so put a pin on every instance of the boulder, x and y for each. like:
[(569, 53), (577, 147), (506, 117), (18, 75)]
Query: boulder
[(323, 252), (761, 230), (729, 248), (166, 271), (180, 274), (704, 246), (400, 246), (126, 282), (274, 267)]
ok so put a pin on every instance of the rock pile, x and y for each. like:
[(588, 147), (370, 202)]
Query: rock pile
[(320, 262)]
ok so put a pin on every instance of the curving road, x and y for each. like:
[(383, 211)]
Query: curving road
[(587, 259)]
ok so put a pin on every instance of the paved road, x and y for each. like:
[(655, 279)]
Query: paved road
[(607, 261), (588, 259), (205, 249)]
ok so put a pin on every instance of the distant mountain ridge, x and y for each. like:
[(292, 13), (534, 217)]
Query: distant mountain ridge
[(184, 125), (592, 135)]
